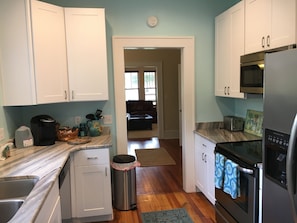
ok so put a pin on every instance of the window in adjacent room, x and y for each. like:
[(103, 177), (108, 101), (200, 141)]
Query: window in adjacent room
[(140, 84), (131, 85), (150, 86)]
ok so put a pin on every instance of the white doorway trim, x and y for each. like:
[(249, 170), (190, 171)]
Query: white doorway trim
[(187, 46)]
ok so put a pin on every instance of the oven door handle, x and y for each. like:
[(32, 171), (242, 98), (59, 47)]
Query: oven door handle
[(246, 170)]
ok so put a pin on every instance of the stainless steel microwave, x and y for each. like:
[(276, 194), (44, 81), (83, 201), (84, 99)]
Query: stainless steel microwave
[(252, 73), (252, 70)]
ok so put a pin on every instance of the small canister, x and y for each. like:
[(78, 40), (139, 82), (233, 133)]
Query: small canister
[(23, 137)]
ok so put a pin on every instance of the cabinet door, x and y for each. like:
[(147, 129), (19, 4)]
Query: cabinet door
[(56, 215), (222, 53), (269, 24), (283, 23), (204, 167), (237, 49), (200, 168), (210, 160), (229, 39), (51, 209), (93, 190), (86, 51), (17, 65), (256, 30), (49, 46)]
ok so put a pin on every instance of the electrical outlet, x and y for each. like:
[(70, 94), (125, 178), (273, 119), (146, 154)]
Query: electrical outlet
[(107, 119), (2, 134), (77, 120)]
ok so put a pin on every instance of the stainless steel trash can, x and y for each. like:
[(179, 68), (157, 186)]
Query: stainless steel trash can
[(124, 182)]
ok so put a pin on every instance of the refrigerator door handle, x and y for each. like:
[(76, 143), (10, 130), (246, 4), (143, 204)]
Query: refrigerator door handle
[(291, 167)]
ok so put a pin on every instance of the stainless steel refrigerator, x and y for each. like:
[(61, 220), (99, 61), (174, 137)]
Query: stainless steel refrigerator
[(279, 142)]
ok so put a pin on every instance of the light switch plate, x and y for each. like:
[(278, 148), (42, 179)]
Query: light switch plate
[(107, 119), (77, 120)]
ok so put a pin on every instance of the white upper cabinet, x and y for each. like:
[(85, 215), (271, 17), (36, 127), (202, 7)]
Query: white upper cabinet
[(86, 48), (42, 61), (269, 24), (229, 46), (49, 48), (33, 54)]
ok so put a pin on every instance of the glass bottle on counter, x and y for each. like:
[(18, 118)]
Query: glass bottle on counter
[(83, 131)]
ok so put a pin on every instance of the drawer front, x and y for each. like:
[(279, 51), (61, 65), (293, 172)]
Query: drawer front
[(91, 157), (206, 143)]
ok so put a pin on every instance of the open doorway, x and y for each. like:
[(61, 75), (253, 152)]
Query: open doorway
[(151, 83), (141, 94), (186, 45)]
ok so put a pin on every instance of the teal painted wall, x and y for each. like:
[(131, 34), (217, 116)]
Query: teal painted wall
[(128, 18)]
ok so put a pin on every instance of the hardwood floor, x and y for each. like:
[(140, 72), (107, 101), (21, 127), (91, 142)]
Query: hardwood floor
[(160, 188)]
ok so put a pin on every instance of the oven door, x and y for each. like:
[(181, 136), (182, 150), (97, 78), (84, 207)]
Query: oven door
[(245, 208)]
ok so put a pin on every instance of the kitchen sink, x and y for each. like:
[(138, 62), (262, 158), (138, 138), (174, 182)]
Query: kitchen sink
[(13, 192), (8, 209), (16, 187)]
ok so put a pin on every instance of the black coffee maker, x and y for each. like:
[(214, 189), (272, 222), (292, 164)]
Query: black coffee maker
[(43, 128)]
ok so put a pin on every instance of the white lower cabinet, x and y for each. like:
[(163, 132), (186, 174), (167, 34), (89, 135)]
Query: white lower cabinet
[(51, 209), (205, 167), (91, 185)]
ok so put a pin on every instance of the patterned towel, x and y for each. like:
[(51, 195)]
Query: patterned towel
[(231, 179), (219, 170)]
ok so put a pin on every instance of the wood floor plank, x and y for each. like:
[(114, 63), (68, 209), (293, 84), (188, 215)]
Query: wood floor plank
[(160, 188)]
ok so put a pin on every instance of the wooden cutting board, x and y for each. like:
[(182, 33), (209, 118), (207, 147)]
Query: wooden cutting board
[(79, 140)]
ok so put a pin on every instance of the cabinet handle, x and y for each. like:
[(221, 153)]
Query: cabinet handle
[(203, 145), (225, 89), (228, 91), (202, 156), (106, 171), (263, 42), (72, 96), (65, 95), (268, 40), (205, 158), (92, 158)]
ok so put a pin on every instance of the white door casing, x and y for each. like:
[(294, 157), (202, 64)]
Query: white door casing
[(186, 44)]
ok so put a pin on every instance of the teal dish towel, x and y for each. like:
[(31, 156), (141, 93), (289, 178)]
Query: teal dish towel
[(232, 179), (219, 170)]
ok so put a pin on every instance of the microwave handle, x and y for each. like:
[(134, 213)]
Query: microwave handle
[(291, 167)]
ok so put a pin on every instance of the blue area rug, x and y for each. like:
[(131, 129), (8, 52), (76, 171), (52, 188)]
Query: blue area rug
[(179, 215)]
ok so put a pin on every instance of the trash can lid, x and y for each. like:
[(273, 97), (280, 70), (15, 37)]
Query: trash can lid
[(123, 158)]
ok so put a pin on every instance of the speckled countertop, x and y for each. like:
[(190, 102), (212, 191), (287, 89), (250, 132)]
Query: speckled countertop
[(46, 163), (214, 132), (223, 135)]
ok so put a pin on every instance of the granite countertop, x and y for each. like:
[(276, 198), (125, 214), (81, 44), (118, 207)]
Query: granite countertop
[(45, 162), (223, 135)]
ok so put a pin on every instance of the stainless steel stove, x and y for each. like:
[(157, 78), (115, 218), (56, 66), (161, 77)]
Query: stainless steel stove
[(245, 206)]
